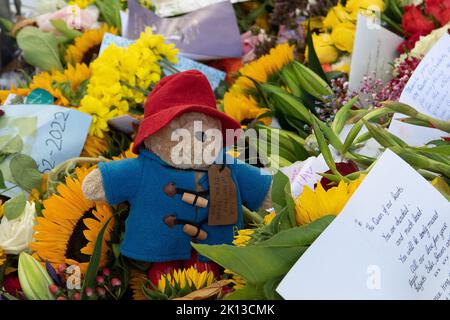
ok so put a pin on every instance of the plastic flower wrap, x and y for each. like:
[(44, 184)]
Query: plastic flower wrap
[(121, 76), (74, 16)]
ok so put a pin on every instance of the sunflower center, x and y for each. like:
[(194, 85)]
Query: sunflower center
[(91, 54), (78, 241), (246, 121)]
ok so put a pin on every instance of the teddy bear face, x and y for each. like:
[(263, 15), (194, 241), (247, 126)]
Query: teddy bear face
[(191, 141)]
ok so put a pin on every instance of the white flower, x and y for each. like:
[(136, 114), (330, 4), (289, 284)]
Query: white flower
[(15, 235)]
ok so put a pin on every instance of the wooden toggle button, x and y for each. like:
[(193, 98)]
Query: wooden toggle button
[(195, 200), (170, 189)]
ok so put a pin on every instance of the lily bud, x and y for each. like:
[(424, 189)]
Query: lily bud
[(34, 279)]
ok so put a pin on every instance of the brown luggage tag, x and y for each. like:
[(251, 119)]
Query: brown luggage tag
[(223, 207)]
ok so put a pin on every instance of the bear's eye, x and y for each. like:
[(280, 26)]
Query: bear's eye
[(201, 136)]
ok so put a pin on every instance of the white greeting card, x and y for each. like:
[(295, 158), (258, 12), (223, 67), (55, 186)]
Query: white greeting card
[(391, 241), (374, 50), (428, 91)]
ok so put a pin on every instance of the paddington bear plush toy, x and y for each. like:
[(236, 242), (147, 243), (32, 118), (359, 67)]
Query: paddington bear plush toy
[(175, 203)]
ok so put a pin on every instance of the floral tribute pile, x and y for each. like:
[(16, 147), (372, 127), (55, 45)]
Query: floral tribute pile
[(292, 80)]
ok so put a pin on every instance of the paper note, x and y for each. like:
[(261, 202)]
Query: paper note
[(428, 91), (50, 134), (305, 173), (208, 33), (374, 50), (391, 241), (214, 76), (167, 8)]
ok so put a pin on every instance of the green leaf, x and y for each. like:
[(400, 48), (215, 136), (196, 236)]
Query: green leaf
[(280, 180), (15, 145), (7, 24), (2, 181), (40, 49), (62, 27), (290, 204), (249, 292), (92, 271), (25, 173), (323, 146), (14, 207), (272, 258), (313, 59), (270, 289), (110, 10)]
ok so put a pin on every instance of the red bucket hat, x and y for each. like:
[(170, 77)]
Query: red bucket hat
[(174, 95)]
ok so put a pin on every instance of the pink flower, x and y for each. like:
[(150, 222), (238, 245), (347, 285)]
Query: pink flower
[(76, 18), (249, 43)]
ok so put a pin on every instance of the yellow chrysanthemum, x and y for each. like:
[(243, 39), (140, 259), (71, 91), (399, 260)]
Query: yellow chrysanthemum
[(82, 4), (68, 229), (187, 278), (86, 47), (94, 147), (120, 74), (261, 69), (243, 109), (312, 205)]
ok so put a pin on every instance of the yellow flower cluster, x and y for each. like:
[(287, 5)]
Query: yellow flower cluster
[(238, 102), (121, 75), (339, 28)]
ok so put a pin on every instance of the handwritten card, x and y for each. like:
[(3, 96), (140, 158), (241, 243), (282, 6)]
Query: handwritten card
[(305, 173), (205, 34), (428, 91), (214, 76), (50, 134), (167, 8), (374, 50), (391, 241)]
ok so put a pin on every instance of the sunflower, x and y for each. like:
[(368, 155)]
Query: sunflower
[(312, 205), (138, 280), (263, 68), (87, 46), (94, 147), (243, 109), (63, 86), (69, 226), (186, 279), (127, 154)]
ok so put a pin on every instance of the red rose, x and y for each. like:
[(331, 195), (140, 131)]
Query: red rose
[(12, 285), (409, 43), (440, 9), (414, 22), (344, 168)]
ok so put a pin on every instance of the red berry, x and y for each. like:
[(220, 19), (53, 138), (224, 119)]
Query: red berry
[(106, 272), (53, 288), (89, 292), (61, 298), (62, 268), (100, 280), (76, 296), (115, 282), (101, 292)]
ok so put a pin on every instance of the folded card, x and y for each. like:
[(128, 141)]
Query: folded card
[(391, 241), (208, 33), (428, 91), (49, 134), (374, 50)]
